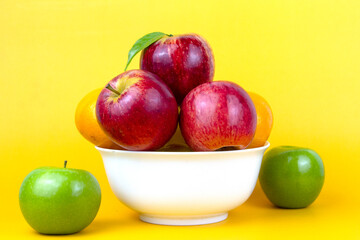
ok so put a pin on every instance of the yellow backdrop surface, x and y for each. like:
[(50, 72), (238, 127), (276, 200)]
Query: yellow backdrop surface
[(302, 56)]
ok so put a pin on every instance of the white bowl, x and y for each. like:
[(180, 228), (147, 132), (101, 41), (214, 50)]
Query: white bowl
[(183, 188)]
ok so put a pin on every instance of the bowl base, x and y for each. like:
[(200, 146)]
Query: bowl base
[(184, 221)]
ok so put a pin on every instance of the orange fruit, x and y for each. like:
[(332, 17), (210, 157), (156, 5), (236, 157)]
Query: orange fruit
[(86, 122), (264, 120)]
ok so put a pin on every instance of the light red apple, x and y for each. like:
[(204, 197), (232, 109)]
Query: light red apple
[(216, 115), (137, 111), (182, 62)]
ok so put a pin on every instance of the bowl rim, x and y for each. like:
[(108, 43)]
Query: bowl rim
[(267, 144)]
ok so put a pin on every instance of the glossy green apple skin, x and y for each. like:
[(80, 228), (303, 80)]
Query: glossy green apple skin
[(291, 177), (59, 200)]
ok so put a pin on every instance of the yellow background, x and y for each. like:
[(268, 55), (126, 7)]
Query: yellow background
[(302, 56)]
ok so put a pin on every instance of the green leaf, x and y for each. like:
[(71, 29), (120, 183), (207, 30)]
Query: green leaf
[(143, 43)]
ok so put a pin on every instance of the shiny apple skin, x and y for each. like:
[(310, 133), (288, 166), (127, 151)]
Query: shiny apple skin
[(143, 117), (59, 200), (182, 62), (292, 177), (217, 114)]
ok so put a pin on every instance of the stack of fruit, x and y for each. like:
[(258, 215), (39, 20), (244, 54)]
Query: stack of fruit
[(170, 104), (139, 109)]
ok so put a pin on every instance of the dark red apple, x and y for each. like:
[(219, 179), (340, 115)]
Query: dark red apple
[(182, 62), (216, 115), (137, 111)]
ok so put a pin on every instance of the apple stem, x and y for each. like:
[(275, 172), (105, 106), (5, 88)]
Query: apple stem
[(65, 163), (169, 35), (112, 89)]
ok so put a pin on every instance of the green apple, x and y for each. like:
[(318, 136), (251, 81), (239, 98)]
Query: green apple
[(59, 200), (291, 177)]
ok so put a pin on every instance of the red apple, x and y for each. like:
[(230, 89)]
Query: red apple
[(182, 62), (217, 114), (137, 111)]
